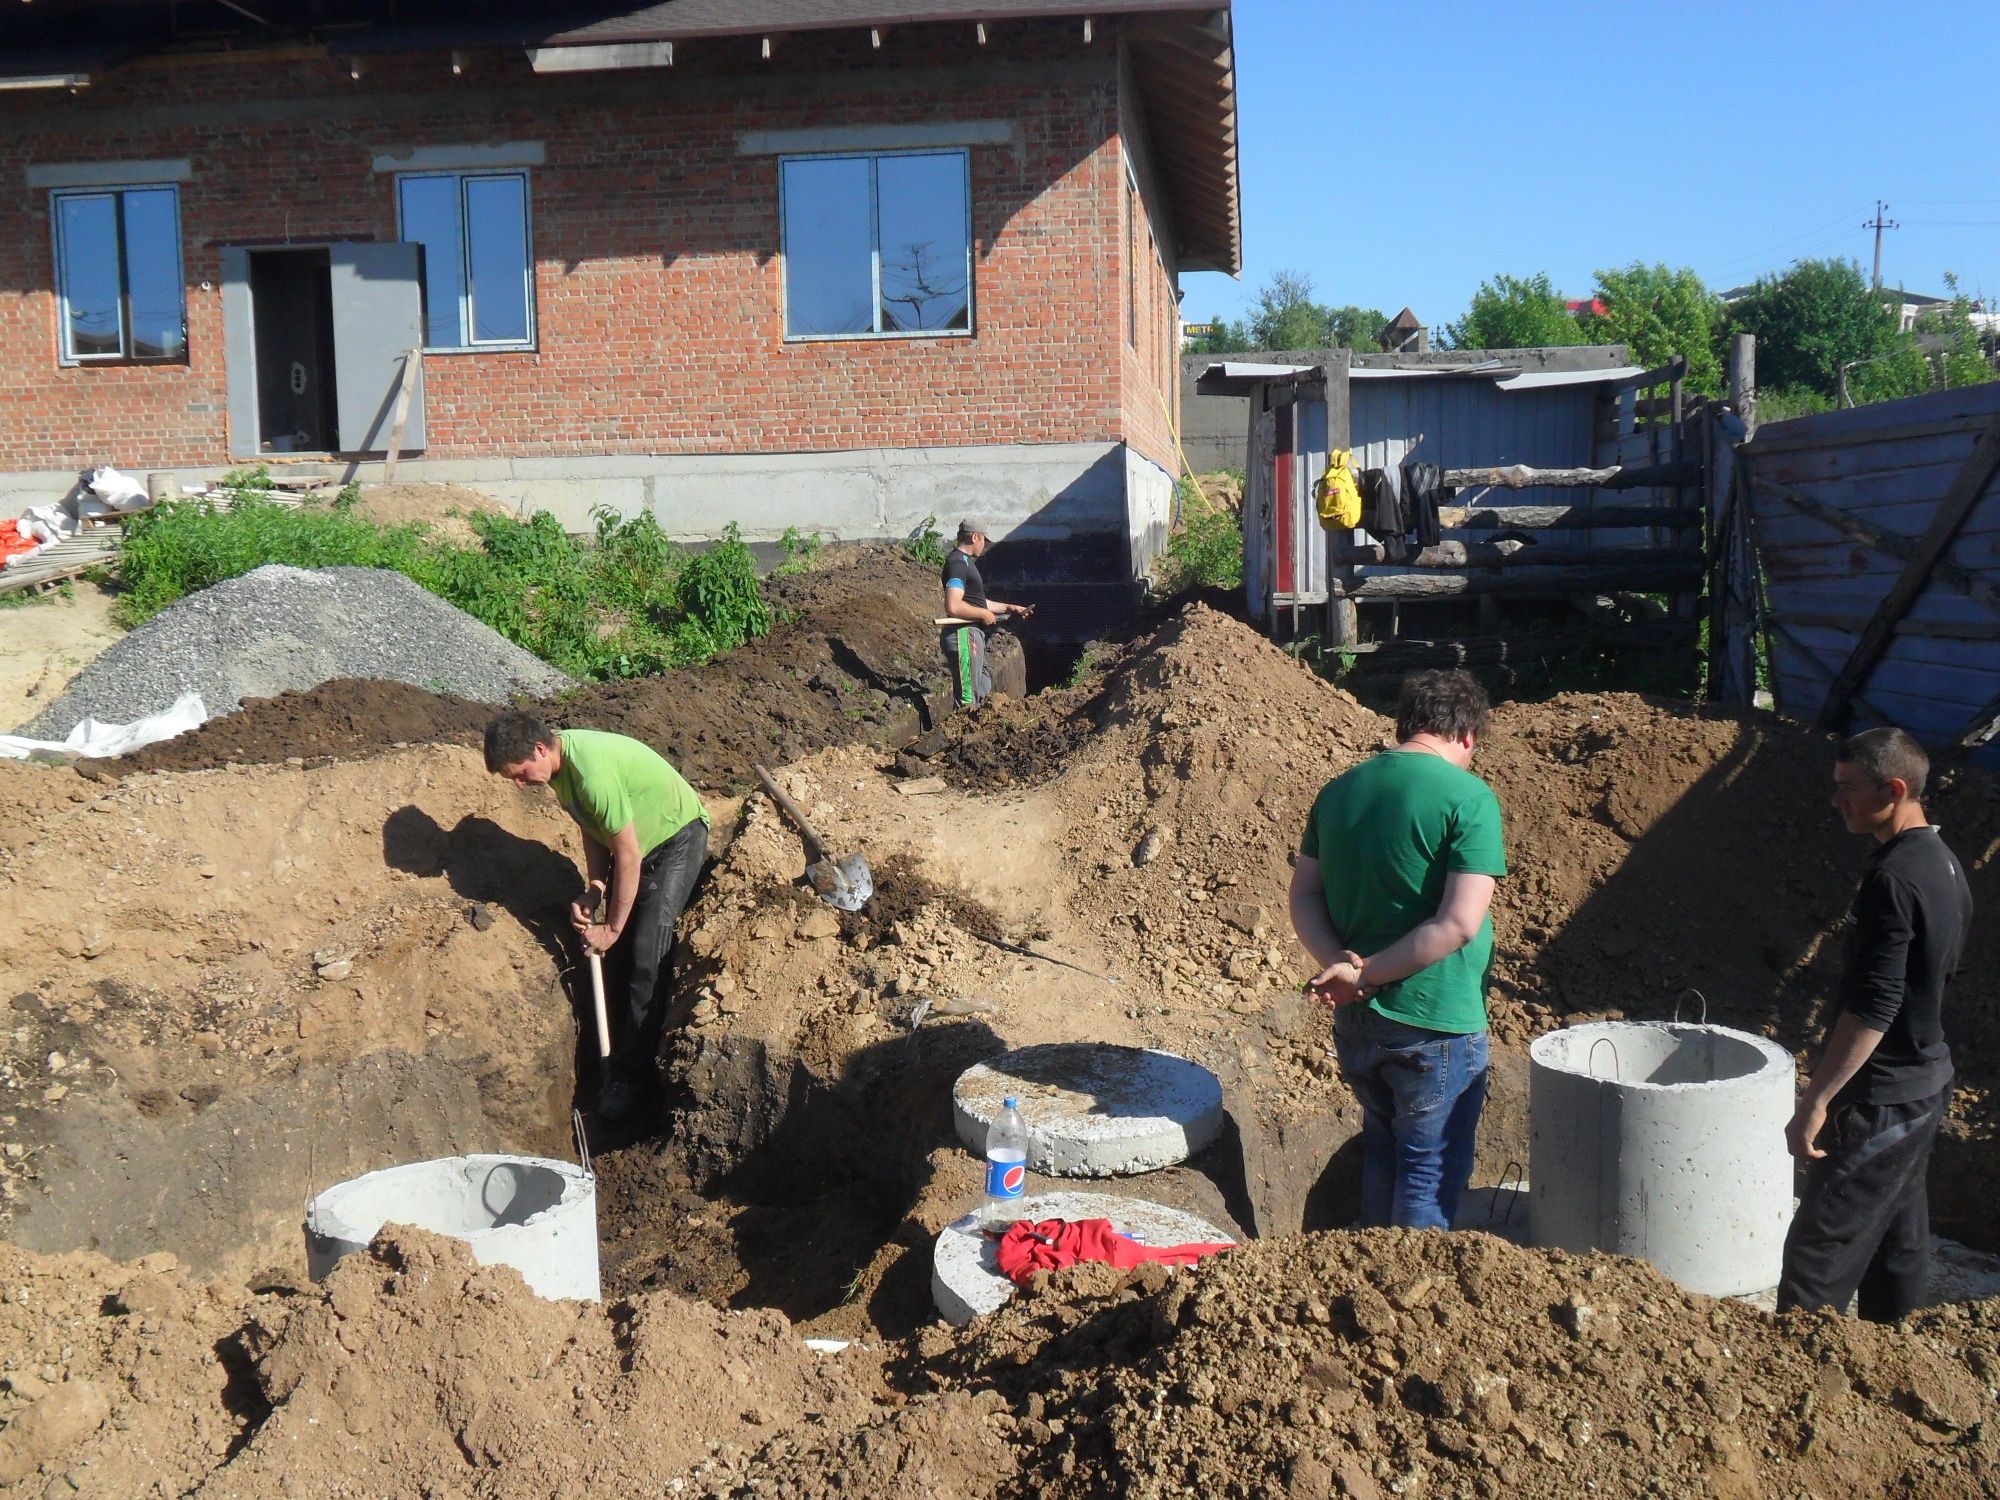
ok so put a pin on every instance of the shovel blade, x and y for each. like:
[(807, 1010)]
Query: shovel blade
[(845, 884)]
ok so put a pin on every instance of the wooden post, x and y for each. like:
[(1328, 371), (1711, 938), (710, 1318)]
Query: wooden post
[(411, 357), (1743, 380)]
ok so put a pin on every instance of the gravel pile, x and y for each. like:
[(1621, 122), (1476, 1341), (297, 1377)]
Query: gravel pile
[(280, 628)]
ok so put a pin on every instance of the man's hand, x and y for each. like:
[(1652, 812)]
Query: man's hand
[(597, 938), (1339, 983), (1802, 1133), (1020, 611), (583, 910)]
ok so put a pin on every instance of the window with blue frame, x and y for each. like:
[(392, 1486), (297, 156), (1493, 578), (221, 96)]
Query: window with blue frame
[(118, 275), (478, 258), (877, 246)]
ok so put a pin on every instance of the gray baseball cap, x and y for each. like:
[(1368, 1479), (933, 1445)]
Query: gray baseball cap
[(973, 526)]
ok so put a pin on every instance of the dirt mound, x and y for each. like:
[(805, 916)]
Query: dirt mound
[(265, 977), (1413, 1363), (853, 658), (118, 1377), (338, 720), (418, 1363), (441, 508)]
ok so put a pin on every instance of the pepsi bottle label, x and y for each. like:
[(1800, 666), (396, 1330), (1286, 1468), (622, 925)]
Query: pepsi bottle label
[(1006, 1179)]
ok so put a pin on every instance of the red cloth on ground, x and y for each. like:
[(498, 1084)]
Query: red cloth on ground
[(12, 541), (1054, 1243)]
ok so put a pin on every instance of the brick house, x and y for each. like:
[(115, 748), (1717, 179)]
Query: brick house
[(839, 264)]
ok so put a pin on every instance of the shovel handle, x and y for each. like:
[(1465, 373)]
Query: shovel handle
[(597, 998), (815, 850)]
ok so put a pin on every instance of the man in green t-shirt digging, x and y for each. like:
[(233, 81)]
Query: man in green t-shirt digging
[(1390, 896), (645, 835)]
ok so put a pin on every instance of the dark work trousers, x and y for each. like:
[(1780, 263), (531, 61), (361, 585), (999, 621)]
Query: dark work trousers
[(637, 966), (965, 653), (1864, 1221)]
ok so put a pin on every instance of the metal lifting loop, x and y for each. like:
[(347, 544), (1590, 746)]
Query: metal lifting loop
[(1520, 1175), (1691, 990), (582, 1144), (1590, 1061)]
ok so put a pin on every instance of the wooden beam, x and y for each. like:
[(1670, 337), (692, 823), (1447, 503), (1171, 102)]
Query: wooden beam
[(1980, 729), (1881, 540), (1477, 648), (1773, 439), (1966, 488), (1617, 477), (1926, 630), (1811, 657), (1456, 554), (1637, 577), (1566, 517)]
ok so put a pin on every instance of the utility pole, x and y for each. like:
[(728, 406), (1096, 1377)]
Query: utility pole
[(1878, 224)]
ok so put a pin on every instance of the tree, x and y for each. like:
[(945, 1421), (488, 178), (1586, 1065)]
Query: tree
[(1286, 317), (1658, 313), (1809, 322), (1515, 313), (1355, 328)]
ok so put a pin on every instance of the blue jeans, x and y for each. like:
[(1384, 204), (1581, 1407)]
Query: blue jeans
[(1420, 1093)]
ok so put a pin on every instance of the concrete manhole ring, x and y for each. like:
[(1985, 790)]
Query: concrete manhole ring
[(1092, 1109), (966, 1283)]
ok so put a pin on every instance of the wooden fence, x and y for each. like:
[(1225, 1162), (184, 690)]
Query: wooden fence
[(1878, 535)]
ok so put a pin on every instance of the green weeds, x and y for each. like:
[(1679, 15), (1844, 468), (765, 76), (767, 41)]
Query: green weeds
[(926, 543), (628, 603)]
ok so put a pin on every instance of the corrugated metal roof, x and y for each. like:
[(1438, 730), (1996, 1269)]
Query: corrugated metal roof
[(1504, 376), (1239, 378)]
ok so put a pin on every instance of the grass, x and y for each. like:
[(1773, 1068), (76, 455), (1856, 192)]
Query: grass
[(926, 544), (626, 603)]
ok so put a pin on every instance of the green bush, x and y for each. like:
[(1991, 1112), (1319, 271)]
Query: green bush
[(630, 604), (926, 544), (1207, 551)]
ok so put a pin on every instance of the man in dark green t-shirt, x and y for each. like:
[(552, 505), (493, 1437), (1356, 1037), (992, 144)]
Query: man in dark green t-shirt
[(1390, 896), (645, 834)]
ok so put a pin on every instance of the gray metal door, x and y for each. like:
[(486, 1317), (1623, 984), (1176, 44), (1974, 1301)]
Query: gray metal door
[(239, 354), (378, 326)]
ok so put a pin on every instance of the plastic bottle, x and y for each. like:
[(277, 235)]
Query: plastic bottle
[(1006, 1162)]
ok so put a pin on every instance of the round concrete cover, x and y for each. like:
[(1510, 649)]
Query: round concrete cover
[(1094, 1110), (966, 1284)]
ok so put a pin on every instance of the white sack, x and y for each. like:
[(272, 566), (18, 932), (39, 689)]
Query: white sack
[(101, 741)]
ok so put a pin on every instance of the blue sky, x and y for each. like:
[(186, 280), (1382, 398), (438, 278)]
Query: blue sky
[(1402, 151)]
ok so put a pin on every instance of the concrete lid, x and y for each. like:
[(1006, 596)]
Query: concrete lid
[(1092, 1109), (967, 1284)]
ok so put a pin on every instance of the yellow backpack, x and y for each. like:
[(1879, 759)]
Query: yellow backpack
[(1338, 496)]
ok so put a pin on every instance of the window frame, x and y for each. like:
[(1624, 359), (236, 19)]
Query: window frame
[(874, 160), (467, 317), (66, 355)]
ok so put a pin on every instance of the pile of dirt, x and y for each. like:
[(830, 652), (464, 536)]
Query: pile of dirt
[(262, 978), (414, 1370), (441, 509), (1399, 1362), (853, 658), (338, 720)]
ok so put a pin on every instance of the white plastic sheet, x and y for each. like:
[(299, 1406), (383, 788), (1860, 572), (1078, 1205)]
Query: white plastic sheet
[(102, 740)]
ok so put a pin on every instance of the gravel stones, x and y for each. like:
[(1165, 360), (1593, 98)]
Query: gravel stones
[(279, 628)]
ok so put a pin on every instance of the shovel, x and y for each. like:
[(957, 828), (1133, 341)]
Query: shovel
[(844, 882), (597, 989)]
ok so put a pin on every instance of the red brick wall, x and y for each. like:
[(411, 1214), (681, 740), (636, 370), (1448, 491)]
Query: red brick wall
[(657, 280)]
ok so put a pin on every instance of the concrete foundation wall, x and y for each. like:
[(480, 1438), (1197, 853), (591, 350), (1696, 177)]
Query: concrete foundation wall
[(1047, 492), (1149, 508)]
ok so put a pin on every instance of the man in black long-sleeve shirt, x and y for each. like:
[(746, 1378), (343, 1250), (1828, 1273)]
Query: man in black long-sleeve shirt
[(1866, 1121)]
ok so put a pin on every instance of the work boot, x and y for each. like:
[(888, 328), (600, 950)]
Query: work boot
[(619, 1101)]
